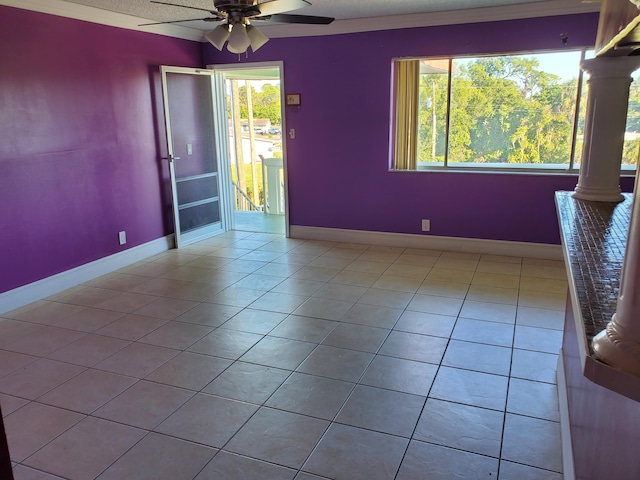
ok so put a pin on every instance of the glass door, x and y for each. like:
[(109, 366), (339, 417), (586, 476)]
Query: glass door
[(193, 160)]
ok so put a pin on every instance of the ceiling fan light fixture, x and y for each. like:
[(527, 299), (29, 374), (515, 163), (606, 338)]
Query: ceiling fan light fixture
[(236, 15), (238, 39), (218, 36), (256, 37)]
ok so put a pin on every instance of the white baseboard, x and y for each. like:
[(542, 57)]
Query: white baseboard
[(46, 287), (432, 242), (565, 425)]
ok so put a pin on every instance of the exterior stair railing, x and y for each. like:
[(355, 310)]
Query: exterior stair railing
[(243, 202)]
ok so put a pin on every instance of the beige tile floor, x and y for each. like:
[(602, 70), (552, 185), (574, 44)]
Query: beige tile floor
[(253, 356)]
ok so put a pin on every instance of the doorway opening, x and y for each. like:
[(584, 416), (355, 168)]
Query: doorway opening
[(256, 167)]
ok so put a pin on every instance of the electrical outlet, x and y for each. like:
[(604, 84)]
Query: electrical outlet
[(426, 225), (122, 236), (189, 149)]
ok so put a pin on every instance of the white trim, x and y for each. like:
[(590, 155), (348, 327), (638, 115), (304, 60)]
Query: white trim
[(221, 71), (451, 17), (285, 157), (46, 287), (221, 136), (565, 424), (104, 17), (472, 245), (430, 19)]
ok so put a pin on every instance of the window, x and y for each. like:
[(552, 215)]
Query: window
[(631, 149), (510, 112)]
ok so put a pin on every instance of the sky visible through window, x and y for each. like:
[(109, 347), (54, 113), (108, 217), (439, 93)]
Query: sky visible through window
[(565, 65)]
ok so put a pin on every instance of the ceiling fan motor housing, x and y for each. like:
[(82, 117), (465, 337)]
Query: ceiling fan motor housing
[(226, 4), (237, 10), (236, 5)]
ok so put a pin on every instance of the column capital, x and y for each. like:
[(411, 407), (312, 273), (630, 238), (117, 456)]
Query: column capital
[(611, 67)]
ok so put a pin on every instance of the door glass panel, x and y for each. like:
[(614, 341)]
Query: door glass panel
[(196, 189), (193, 217)]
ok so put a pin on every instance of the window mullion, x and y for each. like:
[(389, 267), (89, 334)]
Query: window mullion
[(576, 117), (448, 115)]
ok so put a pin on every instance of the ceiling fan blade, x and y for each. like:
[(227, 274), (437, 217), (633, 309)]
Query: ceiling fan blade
[(306, 19), (208, 19), (272, 7), (212, 12)]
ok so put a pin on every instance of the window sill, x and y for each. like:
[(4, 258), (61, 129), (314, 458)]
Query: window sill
[(541, 169)]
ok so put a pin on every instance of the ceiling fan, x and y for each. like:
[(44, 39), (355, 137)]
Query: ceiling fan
[(237, 15)]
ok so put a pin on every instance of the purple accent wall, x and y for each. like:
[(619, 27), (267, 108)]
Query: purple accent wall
[(338, 162), (79, 157)]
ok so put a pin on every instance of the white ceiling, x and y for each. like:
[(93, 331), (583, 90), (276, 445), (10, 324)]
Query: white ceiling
[(339, 9), (350, 15)]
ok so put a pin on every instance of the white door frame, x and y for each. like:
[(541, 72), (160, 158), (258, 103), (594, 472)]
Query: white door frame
[(220, 120)]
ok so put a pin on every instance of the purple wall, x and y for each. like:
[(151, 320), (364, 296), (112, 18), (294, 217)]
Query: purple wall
[(338, 162), (79, 156)]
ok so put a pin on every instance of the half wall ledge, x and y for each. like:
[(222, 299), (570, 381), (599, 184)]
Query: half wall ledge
[(594, 238)]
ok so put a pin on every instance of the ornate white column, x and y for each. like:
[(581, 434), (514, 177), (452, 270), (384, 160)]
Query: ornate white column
[(609, 81), (619, 344)]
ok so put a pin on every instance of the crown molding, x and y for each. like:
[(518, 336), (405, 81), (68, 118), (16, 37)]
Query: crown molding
[(104, 17), (541, 8)]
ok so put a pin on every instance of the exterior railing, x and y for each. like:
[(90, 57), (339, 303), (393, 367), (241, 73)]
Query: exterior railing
[(243, 202)]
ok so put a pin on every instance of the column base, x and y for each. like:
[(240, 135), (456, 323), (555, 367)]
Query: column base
[(598, 194), (611, 348)]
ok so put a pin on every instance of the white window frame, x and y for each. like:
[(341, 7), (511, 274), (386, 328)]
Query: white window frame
[(520, 168)]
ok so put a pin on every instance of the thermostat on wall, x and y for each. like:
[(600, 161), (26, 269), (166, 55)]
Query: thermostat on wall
[(293, 100)]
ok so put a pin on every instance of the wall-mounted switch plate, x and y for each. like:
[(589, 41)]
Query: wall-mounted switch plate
[(189, 149), (122, 236)]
